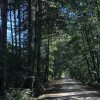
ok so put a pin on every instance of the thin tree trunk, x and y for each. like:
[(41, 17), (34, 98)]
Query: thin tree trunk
[(98, 12), (29, 35), (11, 29), (19, 25), (47, 59), (15, 29)]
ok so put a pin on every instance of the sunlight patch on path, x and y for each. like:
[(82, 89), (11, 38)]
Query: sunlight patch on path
[(69, 94), (68, 89)]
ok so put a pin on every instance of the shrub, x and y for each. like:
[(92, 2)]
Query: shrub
[(18, 94)]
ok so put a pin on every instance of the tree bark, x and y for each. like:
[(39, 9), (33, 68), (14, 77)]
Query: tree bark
[(3, 42)]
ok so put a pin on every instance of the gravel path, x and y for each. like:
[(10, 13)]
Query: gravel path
[(69, 89)]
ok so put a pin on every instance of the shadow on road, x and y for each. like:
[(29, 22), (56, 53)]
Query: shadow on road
[(68, 89)]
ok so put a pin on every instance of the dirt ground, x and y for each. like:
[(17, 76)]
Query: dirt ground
[(69, 89)]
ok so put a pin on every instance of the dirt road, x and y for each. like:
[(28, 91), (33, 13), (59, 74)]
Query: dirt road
[(69, 89)]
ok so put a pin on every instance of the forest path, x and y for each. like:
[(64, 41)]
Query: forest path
[(69, 89)]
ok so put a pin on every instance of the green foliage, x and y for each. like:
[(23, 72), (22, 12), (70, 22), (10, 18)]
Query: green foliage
[(18, 94), (60, 38)]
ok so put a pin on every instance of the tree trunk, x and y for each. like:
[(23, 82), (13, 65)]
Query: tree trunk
[(11, 30), (47, 58), (15, 29), (3, 42), (29, 63), (19, 25)]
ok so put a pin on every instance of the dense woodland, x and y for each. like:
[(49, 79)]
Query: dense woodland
[(42, 40)]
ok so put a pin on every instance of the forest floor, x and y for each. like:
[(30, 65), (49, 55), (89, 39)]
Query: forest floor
[(69, 89)]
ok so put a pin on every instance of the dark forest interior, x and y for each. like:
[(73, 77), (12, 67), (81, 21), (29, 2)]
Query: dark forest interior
[(45, 40)]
